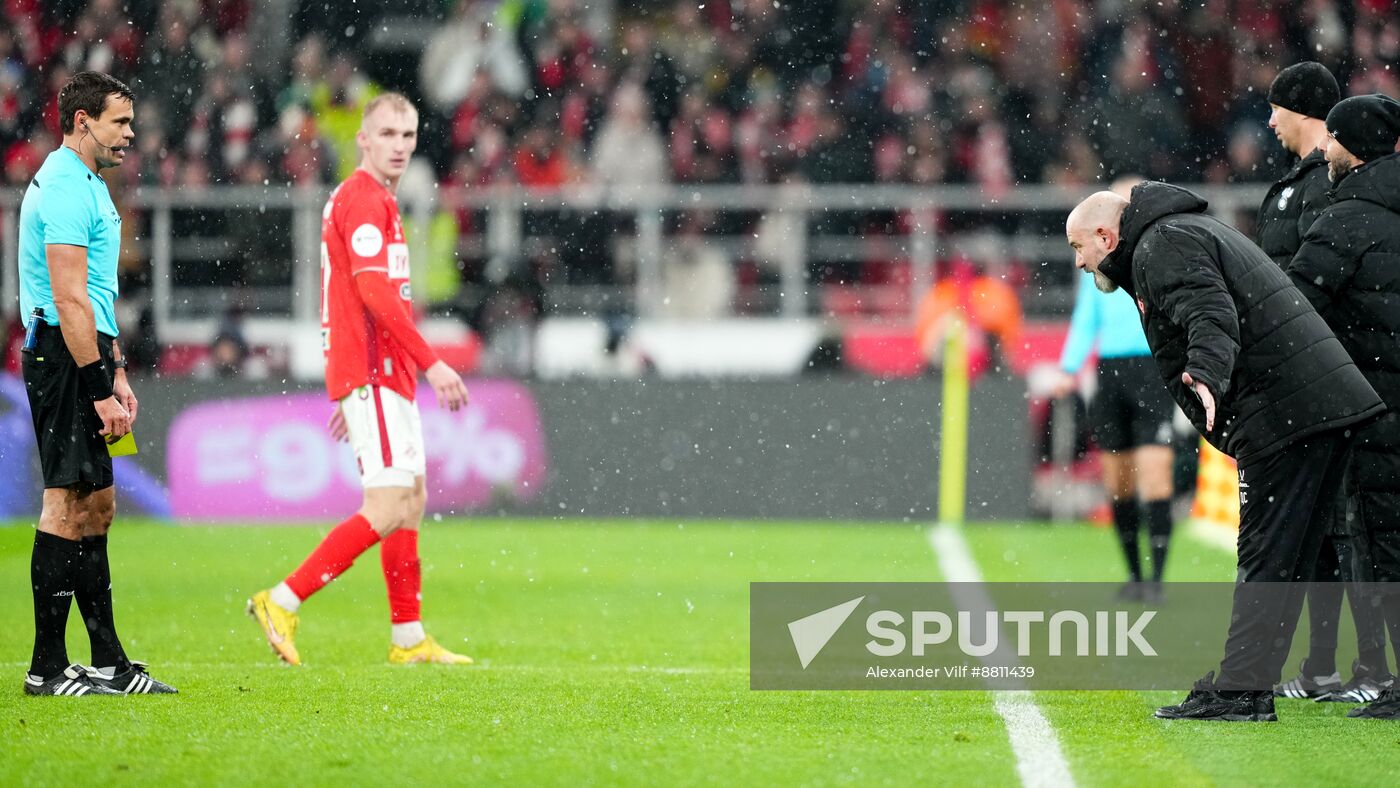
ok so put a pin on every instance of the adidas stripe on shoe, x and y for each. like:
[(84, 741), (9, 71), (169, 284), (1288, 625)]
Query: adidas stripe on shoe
[(132, 681), (1362, 689), (1308, 687), (1386, 707), (73, 682)]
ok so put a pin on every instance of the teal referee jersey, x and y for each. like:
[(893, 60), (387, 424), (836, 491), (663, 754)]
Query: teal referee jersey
[(67, 204)]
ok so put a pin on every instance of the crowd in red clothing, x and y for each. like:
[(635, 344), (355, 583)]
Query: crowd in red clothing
[(178, 46), (995, 92), (544, 93), (898, 91)]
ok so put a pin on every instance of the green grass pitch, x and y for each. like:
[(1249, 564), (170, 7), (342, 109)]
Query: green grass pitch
[(609, 653)]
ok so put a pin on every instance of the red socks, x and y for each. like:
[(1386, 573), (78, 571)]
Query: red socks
[(403, 575), (334, 555), (398, 553)]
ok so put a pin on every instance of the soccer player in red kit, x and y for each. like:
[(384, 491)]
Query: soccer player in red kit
[(373, 355)]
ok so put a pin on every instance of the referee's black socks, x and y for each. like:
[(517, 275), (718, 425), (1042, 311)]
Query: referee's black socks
[(1125, 522), (1159, 534), (94, 586), (54, 567)]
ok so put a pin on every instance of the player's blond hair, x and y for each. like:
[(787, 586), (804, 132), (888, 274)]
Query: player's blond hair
[(397, 101)]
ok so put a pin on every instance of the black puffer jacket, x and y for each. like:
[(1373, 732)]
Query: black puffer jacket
[(1213, 304), (1349, 268), (1291, 206)]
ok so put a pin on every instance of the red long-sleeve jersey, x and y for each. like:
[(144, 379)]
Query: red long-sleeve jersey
[(367, 329)]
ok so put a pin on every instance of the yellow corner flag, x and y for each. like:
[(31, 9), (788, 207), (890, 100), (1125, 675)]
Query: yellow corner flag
[(1217, 490)]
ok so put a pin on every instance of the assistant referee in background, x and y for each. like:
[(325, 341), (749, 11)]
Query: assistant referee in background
[(70, 236)]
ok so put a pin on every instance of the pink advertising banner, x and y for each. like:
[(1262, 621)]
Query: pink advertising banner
[(269, 458)]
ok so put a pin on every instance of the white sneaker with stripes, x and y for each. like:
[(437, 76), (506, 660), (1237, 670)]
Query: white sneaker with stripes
[(1361, 689), (132, 681), (1308, 687), (73, 682)]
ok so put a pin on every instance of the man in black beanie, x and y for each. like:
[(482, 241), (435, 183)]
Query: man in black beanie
[(1365, 129), (1347, 269), (1299, 100)]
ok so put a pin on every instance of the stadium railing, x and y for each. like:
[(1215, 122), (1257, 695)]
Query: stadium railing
[(192, 237)]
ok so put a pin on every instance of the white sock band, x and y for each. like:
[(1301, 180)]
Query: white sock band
[(283, 596), (407, 635)]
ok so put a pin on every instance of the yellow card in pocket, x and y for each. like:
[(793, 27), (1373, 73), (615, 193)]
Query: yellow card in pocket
[(123, 446)]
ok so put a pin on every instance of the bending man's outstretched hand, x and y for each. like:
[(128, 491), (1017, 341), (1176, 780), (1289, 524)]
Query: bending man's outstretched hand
[(1203, 394)]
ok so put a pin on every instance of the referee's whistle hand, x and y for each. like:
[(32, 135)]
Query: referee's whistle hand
[(121, 388), (447, 385), (116, 422)]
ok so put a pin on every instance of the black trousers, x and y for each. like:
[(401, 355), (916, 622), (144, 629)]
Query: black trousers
[(1345, 566), (1287, 500), (1385, 553)]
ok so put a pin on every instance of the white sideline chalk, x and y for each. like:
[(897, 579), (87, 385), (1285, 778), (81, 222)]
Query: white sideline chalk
[(1039, 759), (1214, 535)]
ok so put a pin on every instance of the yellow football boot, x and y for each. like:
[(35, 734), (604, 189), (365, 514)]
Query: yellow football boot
[(278, 624), (427, 651)]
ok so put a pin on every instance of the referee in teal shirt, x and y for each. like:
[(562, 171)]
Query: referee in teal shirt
[(1132, 418), (69, 239)]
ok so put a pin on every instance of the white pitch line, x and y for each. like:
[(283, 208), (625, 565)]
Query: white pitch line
[(1039, 759), (1214, 535)]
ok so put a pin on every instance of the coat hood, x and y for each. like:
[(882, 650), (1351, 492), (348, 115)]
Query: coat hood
[(1149, 202)]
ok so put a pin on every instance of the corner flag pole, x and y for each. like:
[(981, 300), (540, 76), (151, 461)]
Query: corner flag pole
[(952, 466)]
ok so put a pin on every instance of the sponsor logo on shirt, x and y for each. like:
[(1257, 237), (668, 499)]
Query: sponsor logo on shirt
[(367, 240), (398, 261)]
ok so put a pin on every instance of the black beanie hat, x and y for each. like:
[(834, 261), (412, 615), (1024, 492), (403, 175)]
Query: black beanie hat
[(1367, 126), (1307, 88)]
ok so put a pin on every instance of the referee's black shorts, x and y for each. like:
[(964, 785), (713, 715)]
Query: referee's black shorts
[(72, 451), (1132, 407)]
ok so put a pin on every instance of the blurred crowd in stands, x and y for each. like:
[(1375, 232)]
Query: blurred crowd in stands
[(994, 92), (546, 93)]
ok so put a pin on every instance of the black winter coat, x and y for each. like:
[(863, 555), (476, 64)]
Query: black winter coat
[(1349, 269), (1213, 304), (1291, 206)]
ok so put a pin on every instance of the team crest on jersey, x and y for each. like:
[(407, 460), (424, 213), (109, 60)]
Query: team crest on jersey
[(405, 292), (1283, 198)]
